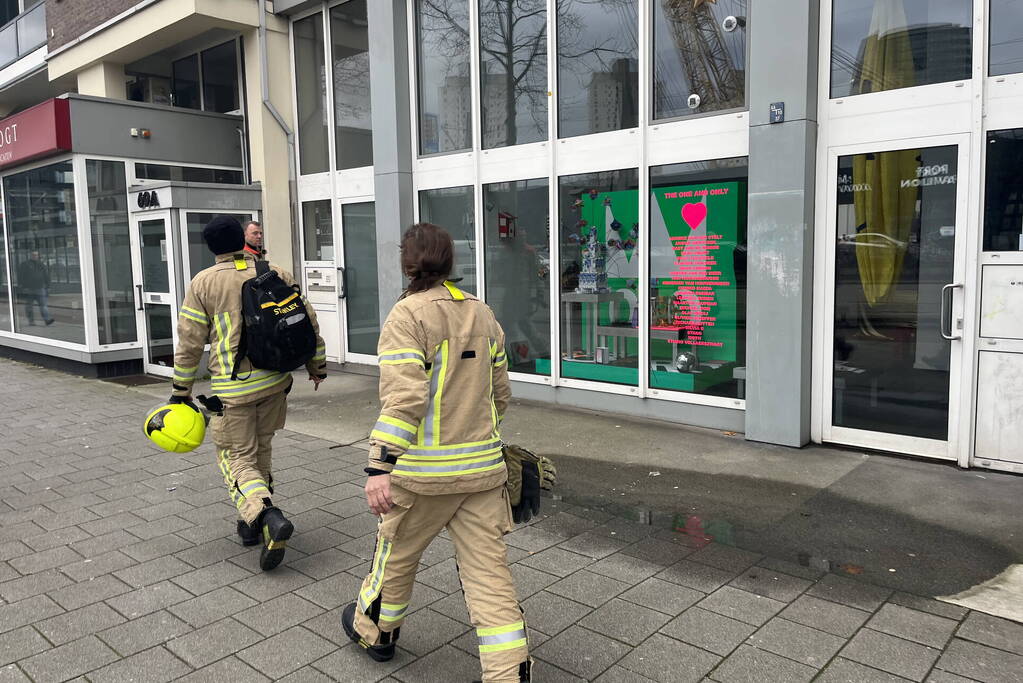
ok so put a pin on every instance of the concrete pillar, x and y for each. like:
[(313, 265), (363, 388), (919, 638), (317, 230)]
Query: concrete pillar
[(103, 79), (268, 143), (783, 63), (392, 140)]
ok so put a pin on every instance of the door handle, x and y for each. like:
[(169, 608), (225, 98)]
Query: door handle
[(141, 306), (342, 282), (946, 311)]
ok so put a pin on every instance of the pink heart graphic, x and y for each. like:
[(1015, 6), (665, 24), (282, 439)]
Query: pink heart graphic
[(694, 214)]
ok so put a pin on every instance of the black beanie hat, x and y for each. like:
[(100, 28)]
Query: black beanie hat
[(224, 235)]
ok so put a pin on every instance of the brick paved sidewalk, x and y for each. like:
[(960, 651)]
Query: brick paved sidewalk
[(118, 562)]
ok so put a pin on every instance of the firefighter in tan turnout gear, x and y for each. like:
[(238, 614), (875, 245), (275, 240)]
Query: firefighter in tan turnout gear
[(435, 461), (252, 406)]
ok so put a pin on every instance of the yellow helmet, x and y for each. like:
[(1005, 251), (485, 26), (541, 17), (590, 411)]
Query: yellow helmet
[(176, 427)]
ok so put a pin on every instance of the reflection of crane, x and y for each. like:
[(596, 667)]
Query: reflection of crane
[(708, 66)]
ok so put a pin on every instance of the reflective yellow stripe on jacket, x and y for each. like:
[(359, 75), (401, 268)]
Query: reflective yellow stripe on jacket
[(451, 460), (257, 380)]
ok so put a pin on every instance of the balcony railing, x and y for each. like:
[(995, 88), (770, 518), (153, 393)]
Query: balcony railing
[(23, 34)]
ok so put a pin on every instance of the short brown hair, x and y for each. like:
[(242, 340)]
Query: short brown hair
[(427, 256)]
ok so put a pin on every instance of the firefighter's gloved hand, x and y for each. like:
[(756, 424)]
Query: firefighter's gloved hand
[(187, 400), (548, 473), (529, 499)]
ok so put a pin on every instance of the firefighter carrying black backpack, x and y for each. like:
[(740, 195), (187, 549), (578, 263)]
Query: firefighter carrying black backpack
[(277, 333)]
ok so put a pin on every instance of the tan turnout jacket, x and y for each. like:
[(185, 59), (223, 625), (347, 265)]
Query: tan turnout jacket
[(443, 391), (212, 313)]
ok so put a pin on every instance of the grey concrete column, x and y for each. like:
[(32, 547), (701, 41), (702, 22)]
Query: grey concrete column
[(392, 139), (783, 65)]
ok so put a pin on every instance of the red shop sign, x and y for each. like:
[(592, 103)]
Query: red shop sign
[(41, 131)]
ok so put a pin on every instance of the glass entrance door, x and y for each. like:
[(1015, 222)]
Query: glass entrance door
[(896, 298), (357, 281), (157, 298)]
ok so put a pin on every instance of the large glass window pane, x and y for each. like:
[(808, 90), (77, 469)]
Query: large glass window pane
[(513, 71), (882, 45), (111, 251), (598, 66), (516, 238), (598, 214), (1006, 37), (5, 284), (311, 95), (8, 10), (699, 57), (220, 78), (895, 251), (199, 255), (445, 93), (191, 174), (349, 44), (43, 236), (452, 209), (360, 232), (1003, 192), (185, 83), (698, 277), (318, 228)]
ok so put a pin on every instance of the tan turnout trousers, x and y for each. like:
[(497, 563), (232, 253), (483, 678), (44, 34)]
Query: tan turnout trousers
[(242, 436), (477, 523)]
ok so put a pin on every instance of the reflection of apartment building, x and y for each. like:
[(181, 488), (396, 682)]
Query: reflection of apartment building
[(455, 124), (612, 98)]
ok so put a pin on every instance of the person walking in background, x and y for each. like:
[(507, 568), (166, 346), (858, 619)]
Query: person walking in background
[(436, 461), (34, 284), (254, 240)]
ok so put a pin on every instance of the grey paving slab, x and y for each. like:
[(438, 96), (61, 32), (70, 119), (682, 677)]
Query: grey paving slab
[(556, 561), (156, 547), (751, 665), (981, 663), (96, 567), (998, 633), (920, 627), (213, 576), (337, 590), (157, 665), (96, 546), (624, 621), (797, 642), (708, 630), (53, 539), (850, 592), (325, 563), (350, 663), (440, 666), (771, 584), (582, 652), (529, 581), (21, 643), (68, 661), (16, 590), (142, 601), (291, 650), (588, 588), (279, 614), (153, 571), (626, 568), (826, 616), (12, 674), (657, 551), (618, 674), (701, 577), (726, 557), (939, 676), (215, 641), (81, 622), (426, 630), (227, 670), (663, 596), (666, 660), (534, 540), (891, 654), (145, 632), (211, 552), (595, 544), (267, 585), (18, 614), (941, 609), (442, 576), (552, 613), (738, 604), (846, 671)]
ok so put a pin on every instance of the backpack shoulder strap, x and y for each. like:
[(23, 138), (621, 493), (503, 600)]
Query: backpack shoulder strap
[(262, 268)]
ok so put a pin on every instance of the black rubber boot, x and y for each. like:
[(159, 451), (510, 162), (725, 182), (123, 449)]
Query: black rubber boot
[(384, 651), (524, 672), (248, 534), (276, 531)]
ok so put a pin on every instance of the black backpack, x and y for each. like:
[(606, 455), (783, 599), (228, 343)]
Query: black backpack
[(277, 333)]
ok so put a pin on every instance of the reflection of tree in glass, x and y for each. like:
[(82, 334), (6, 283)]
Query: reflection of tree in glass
[(351, 90), (443, 38)]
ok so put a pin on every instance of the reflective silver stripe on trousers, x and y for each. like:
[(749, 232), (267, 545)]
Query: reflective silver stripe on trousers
[(447, 452), (394, 431), (393, 613), (402, 467), (503, 637)]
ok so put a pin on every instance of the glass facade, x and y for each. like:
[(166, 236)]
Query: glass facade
[(359, 224), (111, 251), (444, 87), (5, 289), (698, 277), (1006, 31), (598, 66), (895, 251), (318, 228), (199, 255), (349, 45), (43, 242), (452, 209), (185, 90), (1003, 191), (516, 239), (220, 78), (699, 57), (191, 174), (311, 95), (598, 217), (880, 45), (513, 71)]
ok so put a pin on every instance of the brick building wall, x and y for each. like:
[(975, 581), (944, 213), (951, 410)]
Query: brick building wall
[(68, 19)]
